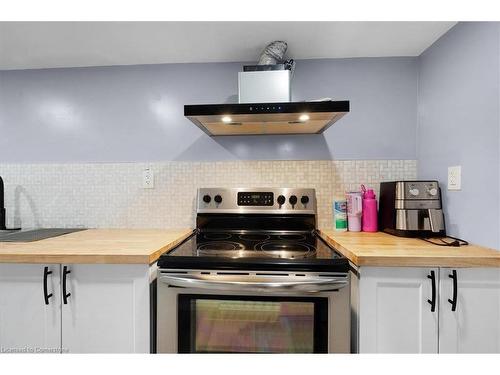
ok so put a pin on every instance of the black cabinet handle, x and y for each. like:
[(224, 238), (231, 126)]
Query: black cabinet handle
[(46, 296), (455, 289), (432, 301), (65, 295)]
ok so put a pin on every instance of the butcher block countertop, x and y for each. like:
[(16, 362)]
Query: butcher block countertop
[(384, 250), (110, 246)]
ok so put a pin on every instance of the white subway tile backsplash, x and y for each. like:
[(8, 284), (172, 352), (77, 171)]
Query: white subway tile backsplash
[(111, 195)]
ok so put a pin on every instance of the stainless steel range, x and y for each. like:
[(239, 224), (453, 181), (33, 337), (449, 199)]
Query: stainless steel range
[(255, 277)]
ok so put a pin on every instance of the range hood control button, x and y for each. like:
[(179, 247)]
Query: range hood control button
[(218, 199), (304, 199), (206, 198), (293, 200), (281, 200)]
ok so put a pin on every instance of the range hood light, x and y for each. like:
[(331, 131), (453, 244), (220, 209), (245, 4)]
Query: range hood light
[(303, 117), (226, 119)]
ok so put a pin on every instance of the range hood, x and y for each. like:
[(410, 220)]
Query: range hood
[(265, 106), (312, 117)]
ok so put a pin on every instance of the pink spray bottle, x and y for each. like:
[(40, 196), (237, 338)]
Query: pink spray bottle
[(369, 214)]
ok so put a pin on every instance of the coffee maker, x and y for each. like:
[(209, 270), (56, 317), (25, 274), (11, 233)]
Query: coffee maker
[(411, 209)]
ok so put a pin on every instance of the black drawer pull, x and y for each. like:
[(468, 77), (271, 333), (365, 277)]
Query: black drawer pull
[(432, 301), (65, 295), (46, 296), (455, 290)]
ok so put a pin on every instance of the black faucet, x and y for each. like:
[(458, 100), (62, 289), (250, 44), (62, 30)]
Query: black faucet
[(2, 208)]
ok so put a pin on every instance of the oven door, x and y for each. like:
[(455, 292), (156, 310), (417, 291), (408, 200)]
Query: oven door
[(249, 312)]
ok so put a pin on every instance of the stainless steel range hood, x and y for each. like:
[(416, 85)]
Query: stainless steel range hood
[(265, 107), (312, 117)]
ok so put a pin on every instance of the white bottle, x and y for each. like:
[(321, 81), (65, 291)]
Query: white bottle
[(354, 210)]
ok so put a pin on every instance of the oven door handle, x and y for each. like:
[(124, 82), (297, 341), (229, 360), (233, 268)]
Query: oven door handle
[(254, 283)]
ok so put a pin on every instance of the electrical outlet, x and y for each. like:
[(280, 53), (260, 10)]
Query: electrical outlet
[(148, 179), (455, 178)]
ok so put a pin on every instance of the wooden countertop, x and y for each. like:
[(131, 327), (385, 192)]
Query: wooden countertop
[(384, 250), (111, 246), (144, 246)]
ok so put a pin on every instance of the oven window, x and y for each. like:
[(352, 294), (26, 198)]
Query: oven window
[(237, 324)]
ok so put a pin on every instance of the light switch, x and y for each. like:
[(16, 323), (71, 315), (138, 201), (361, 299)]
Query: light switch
[(455, 178)]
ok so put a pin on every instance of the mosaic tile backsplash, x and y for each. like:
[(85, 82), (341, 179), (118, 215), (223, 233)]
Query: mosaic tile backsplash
[(111, 195)]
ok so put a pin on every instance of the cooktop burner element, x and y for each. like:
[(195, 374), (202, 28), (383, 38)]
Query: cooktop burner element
[(284, 245), (255, 229), (221, 245), (292, 237), (286, 249), (254, 237), (217, 236)]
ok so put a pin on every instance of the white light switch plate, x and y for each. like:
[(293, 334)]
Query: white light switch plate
[(148, 179), (455, 178)]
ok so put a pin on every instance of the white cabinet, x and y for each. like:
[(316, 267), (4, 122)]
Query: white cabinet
[(474, 326), (394, 313), (108, 309), (27, 323)]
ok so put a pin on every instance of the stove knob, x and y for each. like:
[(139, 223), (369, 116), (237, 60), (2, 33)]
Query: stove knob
[(206, 198), (293, 200), (218, 199), (304, 199), (433, 191), (414, 192), (281, 200)]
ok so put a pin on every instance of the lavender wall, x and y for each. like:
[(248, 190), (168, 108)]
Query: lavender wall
[(135, 113), (459, 124)]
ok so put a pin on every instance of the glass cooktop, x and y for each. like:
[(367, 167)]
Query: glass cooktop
[(237, 249)]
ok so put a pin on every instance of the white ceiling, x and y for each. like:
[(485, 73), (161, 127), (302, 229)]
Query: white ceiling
[(28, 45)]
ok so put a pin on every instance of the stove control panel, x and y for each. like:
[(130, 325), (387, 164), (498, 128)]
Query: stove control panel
[(256, 200), (246, 198)]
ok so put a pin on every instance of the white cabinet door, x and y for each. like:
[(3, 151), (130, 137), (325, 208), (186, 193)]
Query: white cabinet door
[(108, 309), (27, 323), (394, 313), (474, 327)]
